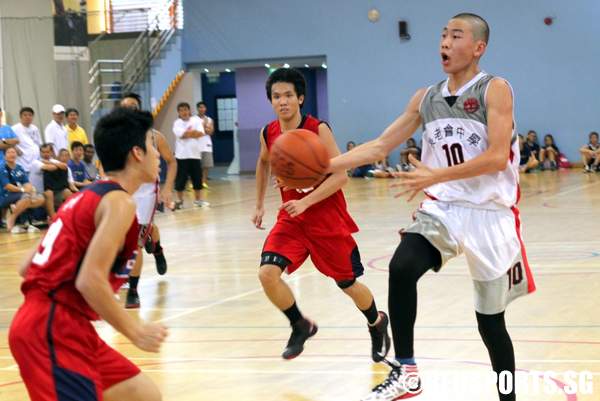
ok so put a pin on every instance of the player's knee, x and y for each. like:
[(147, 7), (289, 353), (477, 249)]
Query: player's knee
[(402, 265), (269, 275), (346, 284)]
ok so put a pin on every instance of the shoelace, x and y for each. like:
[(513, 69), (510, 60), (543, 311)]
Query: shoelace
[(389, 382)]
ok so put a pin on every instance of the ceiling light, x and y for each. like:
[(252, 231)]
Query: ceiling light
[(227, 70), (206, 70), (306, 66), (286, 65), (324, 65), (267, 65)]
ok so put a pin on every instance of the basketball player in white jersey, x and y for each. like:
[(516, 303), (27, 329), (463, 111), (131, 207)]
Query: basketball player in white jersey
[(469, 173), (146, 199)]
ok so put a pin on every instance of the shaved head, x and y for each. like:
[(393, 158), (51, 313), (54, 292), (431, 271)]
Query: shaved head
[(479, 26)]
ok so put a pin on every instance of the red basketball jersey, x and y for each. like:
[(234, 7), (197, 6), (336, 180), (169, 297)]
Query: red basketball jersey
[(328, 217), (54, 268)]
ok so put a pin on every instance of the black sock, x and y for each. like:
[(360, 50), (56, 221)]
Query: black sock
[(413, 257), (133, 282), (371, 313), (293, 314), (157, 247), (499, 345)]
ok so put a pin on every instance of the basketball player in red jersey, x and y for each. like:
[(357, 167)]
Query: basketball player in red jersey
[(71, 277), (311, 222)]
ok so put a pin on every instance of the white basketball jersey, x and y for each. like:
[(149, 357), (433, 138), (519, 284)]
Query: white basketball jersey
[(454, 131)]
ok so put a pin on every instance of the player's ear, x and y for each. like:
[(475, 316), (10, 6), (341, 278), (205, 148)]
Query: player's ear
[(301, 99), (137, 153), (480, 47)]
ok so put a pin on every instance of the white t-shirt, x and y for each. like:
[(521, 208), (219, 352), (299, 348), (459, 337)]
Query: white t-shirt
[(187, 148), (56, 134), (29, 144), (206, 140)]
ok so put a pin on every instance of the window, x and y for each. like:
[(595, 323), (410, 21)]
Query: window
[(227, 110)]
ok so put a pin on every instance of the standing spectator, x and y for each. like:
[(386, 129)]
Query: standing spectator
[(8, 138), (29, 139), (75, 133), (55, 133), (206, 140), (549, 154), (91, 165), (188, 130), (410, 149), (528, 160), (78, 171), (16, 192), (590, 154)]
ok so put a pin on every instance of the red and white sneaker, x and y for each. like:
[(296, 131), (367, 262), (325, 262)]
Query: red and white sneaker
[(403, 382)]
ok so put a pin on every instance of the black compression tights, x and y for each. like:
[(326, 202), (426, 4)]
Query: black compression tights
[(499, 345), (413, 257)]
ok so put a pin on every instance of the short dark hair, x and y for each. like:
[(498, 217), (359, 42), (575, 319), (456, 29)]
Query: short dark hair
[(76, 144), (117, 133), (63, 150), (134, 96), (71, 110), (88, 146), (181, 105), (26, 109), (45, 145), (289, 75), (593, 133), (200, 103), (479, 26)]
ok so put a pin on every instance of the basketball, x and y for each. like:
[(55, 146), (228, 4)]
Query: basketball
[(299, 158)]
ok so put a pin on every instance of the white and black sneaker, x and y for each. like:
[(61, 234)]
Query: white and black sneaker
[(403, 382)]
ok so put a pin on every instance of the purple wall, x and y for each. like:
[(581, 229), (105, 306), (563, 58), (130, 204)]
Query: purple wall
[(322, 100), (254, 112)]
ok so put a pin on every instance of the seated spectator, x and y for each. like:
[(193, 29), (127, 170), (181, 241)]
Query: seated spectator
[(58, 184), (8, 138), (549, 154), (30, 139), (410, 149), (528, 160), (75, 133), (91, 165), (381, 169), (36, 176), (16, 192), (531, 144), (590, 154), (358, 171), (80, 175)]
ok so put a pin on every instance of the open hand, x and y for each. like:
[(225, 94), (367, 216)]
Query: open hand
[(415, 181), (294, 207)]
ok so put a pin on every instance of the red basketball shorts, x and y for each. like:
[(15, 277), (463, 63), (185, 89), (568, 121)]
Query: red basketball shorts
[(60, 355), (335, 256)]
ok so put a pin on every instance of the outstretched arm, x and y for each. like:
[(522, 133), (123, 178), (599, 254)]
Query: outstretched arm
[(398, 132)]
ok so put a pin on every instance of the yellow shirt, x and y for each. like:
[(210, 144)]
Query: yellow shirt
[(77, 134)]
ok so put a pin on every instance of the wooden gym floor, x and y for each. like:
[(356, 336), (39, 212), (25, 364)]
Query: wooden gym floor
[(226, 338)]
